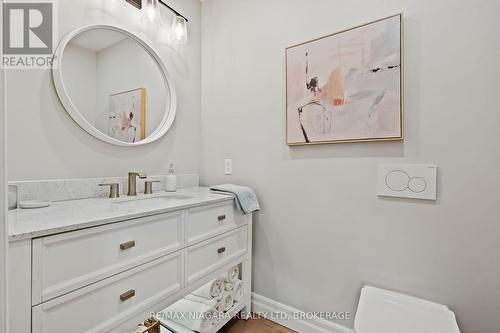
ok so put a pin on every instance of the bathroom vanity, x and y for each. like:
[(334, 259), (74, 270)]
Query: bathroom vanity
[(101, 264), (104, 264)]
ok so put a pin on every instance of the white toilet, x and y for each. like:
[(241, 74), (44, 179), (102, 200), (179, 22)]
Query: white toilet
[(382, 311)]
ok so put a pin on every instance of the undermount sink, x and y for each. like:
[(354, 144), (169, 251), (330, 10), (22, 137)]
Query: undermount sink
[(153, 199)]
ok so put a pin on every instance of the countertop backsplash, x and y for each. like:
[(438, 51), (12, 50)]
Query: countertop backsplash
[(73, 189)]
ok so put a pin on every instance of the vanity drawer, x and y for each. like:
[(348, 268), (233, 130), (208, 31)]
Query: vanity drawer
[(206, 257), (205, 222), (105, 305), (65, 262)]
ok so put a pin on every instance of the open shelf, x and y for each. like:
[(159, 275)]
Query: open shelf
[(174, 327)]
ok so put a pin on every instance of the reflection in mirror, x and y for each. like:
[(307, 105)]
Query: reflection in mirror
[(115, 84)]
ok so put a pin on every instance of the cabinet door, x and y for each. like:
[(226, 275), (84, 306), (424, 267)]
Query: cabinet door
[(206, 222), (106, 304), (206, 257), (65, 262)]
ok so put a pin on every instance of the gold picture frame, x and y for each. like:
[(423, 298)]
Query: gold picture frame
[(123, 123), (326, 108)]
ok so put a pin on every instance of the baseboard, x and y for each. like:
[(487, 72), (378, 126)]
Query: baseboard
[(264, 305)]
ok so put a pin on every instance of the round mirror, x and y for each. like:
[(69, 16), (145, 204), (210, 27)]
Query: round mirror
[(114, 85)]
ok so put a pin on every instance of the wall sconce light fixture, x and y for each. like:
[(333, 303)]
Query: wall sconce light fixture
[(151, 17), (179, 30), (178, 33)]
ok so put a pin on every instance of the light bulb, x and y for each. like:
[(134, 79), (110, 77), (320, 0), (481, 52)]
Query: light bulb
[(179, 30), (151, 12)]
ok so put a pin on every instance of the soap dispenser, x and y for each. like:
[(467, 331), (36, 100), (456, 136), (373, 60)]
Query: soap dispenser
[(171, 180)]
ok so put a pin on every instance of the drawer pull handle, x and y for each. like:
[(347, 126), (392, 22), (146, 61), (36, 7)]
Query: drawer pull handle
[(221, 218), (127, 245), (126, 295), (221, 250)]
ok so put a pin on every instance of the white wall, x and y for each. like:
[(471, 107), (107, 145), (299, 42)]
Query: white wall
[(44, 143), (3, 203), (323, 232), (80, 68), (3, 213)]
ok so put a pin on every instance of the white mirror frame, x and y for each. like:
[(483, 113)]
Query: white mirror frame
[(70, 107)]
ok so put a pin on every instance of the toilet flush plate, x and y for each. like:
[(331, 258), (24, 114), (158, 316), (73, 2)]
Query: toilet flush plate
[(415, 181)]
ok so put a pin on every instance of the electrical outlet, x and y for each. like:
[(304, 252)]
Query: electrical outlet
[(228, 167)]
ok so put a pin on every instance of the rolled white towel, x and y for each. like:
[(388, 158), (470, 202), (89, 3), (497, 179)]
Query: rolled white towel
[(219, 308), (238, 291), (220, 305), (210, 302), (211, 290), (193, 315), (233, 274), (228, 285), (227, 301)]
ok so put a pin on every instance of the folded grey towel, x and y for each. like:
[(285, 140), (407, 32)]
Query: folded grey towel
[(245, 198)]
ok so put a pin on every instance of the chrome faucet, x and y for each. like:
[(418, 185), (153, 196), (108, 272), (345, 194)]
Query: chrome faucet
[(132, 182)]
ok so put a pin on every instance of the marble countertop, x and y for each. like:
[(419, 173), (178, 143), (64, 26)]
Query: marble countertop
[(64, 216)]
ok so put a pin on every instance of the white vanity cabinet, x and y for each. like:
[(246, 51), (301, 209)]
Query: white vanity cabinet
[(109, 277)]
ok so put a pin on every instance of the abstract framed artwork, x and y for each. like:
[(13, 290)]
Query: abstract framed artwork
[(346, 87), (127, 115)]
